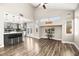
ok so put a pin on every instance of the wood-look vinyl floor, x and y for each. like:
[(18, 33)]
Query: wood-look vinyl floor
[(41, 47)]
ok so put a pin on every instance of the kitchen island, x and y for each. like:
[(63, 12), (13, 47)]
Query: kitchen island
[(12, 38)]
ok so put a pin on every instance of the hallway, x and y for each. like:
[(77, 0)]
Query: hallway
[(40, 47)]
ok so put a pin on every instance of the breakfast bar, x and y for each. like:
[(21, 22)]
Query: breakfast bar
[(12, 38)]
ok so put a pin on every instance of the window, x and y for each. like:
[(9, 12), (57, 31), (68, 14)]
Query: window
[(56, 17)]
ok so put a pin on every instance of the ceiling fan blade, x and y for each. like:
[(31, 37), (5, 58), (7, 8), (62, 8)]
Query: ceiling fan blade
[(44, 6), (38, 5), (45, 3)]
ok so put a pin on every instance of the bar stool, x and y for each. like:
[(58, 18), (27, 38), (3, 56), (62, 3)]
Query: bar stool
[(15, 41), (10, 41), (19, 38)]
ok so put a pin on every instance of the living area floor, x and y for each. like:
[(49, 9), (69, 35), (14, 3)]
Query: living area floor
[(40, 47)]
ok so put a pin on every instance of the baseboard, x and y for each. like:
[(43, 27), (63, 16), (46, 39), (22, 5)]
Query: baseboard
[(52, 39), (1, 46), (76, 46), (57, 39), (71, 43), (67, 42), (32, 37)]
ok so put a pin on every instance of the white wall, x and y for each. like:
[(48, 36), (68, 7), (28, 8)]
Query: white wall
[(58, 32), (15, 8), (45, 14), (76, 37), (1, 30)]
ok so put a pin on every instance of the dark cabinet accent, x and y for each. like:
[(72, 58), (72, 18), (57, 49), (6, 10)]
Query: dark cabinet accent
[(12, 39)]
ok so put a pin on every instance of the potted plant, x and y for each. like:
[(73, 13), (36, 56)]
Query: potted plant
[(50, 32)]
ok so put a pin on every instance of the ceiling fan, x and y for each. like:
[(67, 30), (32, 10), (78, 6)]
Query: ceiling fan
[(43, 5)]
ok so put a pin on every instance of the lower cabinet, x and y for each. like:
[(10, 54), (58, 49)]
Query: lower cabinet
[(12, 39)]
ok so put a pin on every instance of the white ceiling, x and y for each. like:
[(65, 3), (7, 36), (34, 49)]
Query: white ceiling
[(67, 6)]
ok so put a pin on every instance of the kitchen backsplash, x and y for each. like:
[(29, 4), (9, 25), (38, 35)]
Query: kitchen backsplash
[(13, 27)]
